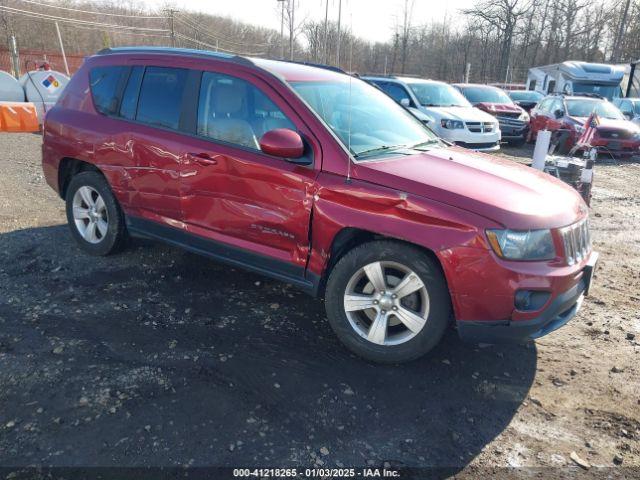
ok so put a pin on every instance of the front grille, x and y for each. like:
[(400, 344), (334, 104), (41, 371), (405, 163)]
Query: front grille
[(615, 134), (576, 239), (510, 121), (510, 114), (476, 145), (480, 127)]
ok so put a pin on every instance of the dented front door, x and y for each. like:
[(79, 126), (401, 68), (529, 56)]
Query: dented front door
[(235, 194)]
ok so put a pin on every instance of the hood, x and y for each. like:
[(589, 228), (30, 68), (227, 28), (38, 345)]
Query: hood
[(498, 108), (516, 196), (609, 124), (466, 114)]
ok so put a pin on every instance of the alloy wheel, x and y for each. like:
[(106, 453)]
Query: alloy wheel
[(90, 214), (386, 303)]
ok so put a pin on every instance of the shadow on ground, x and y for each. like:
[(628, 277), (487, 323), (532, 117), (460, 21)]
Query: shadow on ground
[(159, 357)]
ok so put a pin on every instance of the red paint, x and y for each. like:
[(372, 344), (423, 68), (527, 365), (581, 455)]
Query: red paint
[(608, 135), (282, 142), (442, 200)]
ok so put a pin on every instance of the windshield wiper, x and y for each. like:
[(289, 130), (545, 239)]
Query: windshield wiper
[(424, 144), (382, 148)]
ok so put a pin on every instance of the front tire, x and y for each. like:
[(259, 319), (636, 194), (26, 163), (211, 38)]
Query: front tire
[(95, 219), (388, 302)]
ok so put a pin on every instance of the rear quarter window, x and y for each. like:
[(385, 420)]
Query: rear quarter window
[(106, 85)]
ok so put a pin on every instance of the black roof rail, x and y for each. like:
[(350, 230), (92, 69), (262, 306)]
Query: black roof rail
[(316, 65), (579, 94), (175, 51)]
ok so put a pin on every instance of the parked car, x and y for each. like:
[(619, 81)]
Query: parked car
[(630, 108), (514, 120), (614, 134), (526, 99), (453, 118), (320, 180)]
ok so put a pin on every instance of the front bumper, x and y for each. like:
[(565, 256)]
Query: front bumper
[(480, 147), (513, 133), (557, 313), (616, 147)]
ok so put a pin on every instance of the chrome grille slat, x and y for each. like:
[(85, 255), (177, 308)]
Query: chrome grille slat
[(576, 239)]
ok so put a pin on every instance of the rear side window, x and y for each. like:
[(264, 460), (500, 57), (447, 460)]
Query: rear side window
[(160, 101), (106, 87), (129, 102)]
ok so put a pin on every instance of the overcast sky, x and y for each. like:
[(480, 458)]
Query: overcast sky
[(370, 19)]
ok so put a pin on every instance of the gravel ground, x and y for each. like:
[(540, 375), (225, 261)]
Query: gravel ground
[(157, 357)]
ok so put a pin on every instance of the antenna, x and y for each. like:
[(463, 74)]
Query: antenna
[(350, 104)]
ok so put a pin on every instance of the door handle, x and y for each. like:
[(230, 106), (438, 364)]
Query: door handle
[(202, 158)]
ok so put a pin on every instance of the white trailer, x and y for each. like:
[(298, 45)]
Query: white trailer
[(577, 77)]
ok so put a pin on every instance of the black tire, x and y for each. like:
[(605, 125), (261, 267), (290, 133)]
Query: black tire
[(116, 234), (517, 143), (429, 272)]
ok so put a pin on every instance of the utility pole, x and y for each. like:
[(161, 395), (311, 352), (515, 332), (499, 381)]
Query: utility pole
[(170, 13), (64, 56), (326, 33), (339, 21), (282, 29), (292, 12), (467, 72), (15, 60)]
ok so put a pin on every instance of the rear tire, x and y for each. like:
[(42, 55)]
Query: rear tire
[(95, 219), (388, 302)]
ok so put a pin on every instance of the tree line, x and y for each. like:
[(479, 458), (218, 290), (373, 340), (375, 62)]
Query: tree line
[(494, 41)]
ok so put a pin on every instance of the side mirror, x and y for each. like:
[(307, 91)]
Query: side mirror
[(282, 142), (629, 115), (558, 113), (405, 102)]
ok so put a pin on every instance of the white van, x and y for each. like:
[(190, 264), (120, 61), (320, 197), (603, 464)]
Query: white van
[(449, 114)]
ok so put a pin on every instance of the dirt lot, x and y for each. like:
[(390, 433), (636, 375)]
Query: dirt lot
[(156, 357)]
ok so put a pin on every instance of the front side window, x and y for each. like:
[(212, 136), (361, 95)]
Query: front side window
[(161, 93), (395, 91), (365, 120), (432, 94), (234, 111), (106, 85)]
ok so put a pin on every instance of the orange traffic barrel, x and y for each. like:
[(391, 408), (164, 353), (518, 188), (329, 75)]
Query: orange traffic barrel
[(18, 117)]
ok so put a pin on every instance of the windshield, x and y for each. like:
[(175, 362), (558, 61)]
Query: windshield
[(376, 122), (584, 108), (438, 95), (486, 95), (525, 96), (607, 91)]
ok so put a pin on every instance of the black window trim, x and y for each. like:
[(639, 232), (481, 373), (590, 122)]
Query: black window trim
[(189, 113), (137, 93)]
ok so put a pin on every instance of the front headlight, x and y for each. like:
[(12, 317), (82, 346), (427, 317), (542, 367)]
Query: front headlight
[(524, 116), (451, 124), (522, 245)]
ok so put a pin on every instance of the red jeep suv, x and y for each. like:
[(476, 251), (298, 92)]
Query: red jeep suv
[(318, 179), (613, 133)]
